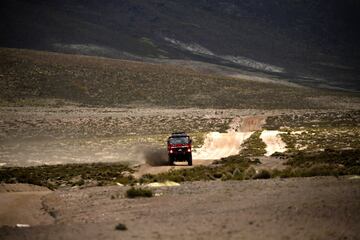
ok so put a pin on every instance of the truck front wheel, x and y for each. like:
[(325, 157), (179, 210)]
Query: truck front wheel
[(189, 160)]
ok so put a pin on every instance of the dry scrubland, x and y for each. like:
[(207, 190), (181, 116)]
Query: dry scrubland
[(42, 79), (326, 144)]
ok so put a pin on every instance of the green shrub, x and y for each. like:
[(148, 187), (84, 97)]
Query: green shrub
[(147, 178), (249, 173), (138, 192), (347, 158), (237, 174)]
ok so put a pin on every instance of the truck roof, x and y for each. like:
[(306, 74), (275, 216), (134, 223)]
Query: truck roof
[(179, 134)]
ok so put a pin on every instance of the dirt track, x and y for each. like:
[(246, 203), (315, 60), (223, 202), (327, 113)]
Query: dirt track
[(307, 208), (147, 169)]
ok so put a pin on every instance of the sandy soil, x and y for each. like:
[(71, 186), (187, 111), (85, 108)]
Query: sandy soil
[(218, 145), (307, 208), (22, 204), (273, 142)]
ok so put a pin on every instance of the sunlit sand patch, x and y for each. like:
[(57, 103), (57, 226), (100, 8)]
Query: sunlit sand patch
[(273, 142), (163, 184)]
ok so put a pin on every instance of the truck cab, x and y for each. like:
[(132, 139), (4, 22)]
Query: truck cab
[(179, 148)]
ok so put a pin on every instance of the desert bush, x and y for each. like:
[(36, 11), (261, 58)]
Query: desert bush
[(249, 173), (120, 227), (52, 176), (347, 158), (237, 174), (147, 178), (138, 192), (263, 174)]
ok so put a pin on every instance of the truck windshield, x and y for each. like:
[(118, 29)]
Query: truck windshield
[(179, 140)]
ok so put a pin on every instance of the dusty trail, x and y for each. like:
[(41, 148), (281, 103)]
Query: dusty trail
[(218, 145), (148, 169)]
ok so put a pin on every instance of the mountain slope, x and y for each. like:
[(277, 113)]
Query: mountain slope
[(309, 42), (38, 78)]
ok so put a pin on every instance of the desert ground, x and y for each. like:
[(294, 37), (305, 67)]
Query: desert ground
[(314, 207), (299, 208)]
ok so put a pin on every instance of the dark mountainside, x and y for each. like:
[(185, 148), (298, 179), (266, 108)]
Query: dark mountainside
[(309, 42)]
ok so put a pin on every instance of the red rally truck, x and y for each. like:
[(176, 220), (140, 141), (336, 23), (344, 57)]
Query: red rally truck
[(179, 148)]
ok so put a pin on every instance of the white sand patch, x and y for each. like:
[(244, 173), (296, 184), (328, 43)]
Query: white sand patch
[(218, 145), (163, 184), (273, 142)]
